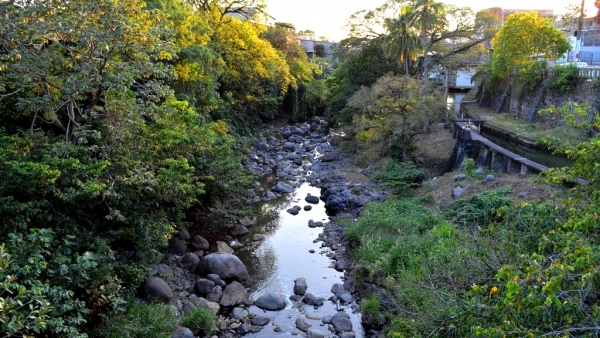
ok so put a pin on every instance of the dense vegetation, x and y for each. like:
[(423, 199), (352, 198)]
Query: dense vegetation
[(116, 117)]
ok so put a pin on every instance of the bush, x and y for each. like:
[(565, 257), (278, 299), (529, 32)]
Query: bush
[(200, 320), (481, 209), (531, 75), (142, 320), (564, 78), (400, 176)]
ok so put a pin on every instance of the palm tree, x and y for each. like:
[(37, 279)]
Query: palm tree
[(429, 14), (402, 41)]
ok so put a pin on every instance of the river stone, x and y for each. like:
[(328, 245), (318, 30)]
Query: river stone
[(243, 329), (345, 297), (300, 286), (262, 146), (307, 207), (489, 178), (220, 247), (282, 187), (289, 146), (206, 304), (204, 286), (349, 334), (213, 277), (188, 261), (156, 288), (337, 288), (301, 324), (271, 301), (239, 313), (312, 224), (226, 265), (316, 334), (260, 320), (329, 156), (200, 243), (238, 230), (234, 294), (269, 196), (313, 300), (341, 322), (215, 295), (258, 237), (293, 211), (312, 199), (182, 332)]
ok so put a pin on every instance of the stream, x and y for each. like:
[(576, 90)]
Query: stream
[(284, 255)]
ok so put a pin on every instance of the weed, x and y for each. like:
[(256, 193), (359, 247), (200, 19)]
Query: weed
[(142, 320), (200, 321)]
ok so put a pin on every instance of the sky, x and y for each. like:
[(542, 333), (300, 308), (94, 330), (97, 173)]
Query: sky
[(327, 17)]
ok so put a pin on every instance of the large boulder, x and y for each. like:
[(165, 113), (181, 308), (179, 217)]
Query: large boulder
[(271, 301), (238, 230), (341, 322), (226, 265), (234, 294), (219, 246), (157, 289)]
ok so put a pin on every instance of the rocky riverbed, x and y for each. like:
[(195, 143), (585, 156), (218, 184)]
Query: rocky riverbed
[(281, 278)]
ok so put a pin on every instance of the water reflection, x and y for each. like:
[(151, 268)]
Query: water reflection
[(284, 255)]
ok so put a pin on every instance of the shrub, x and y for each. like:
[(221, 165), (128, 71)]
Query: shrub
[(531, 75), (142, 320), (564, 78), (400, 176), (200, 321), (480, 209)]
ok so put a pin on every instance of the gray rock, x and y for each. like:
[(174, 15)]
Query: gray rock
[(341, 322), (489, 178), (182, 332), (301, 324), (460, 177), (215, 295), (239, 313), (220, 247), (188, 261), (329, 156), (204, 286), (300, 286), (213, 277), (312, 224), (234, 294), (212, 306), (247, 222), (312, 199), (260, 320), (316, 334), (289, 146), (456, 192), (200, 243), (176, 246), (258, 237), (337, 288), (269, 196), (271, 301), (307, 207), (238, 230), (313, 300), (282, 187), (293, 211), (226, 265), (345, 297), (349, 334), (183, 235), (243, 329), (156, 288)]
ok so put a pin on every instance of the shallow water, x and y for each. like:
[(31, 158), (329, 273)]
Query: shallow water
[(284, 255)]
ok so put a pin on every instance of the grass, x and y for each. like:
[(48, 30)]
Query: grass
[(142, 320), (200, 321)]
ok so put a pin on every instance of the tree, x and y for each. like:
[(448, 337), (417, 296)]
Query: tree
[(522, 36), (430, 15), (402, 41), (393, 111)]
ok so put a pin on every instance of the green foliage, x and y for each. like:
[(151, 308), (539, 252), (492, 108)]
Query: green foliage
[(481, 209), (362, 66), (469, 166), (142, 320), (521, 39), (371, 311), (564, 78), (400, 176), (531, 75), (200, 321), (395, 110)]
